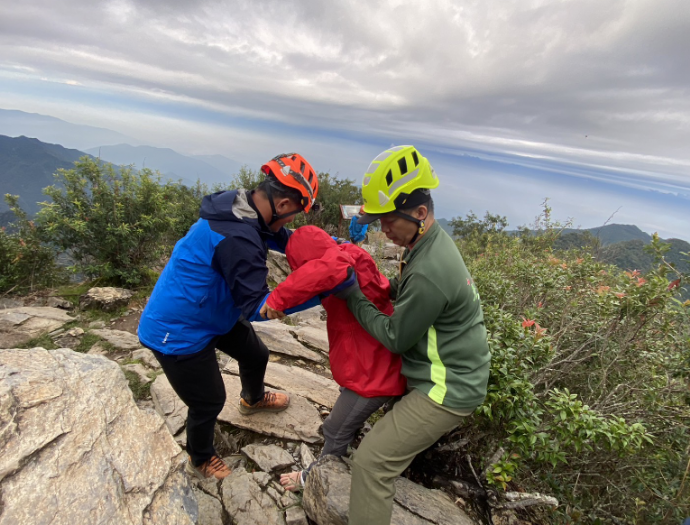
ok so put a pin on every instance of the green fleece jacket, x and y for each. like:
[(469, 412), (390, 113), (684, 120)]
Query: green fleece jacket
[(437, 325)]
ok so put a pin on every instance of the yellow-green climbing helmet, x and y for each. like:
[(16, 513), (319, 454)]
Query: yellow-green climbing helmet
[(394, 175)]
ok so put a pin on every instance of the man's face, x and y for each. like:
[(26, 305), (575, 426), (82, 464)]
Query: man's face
[(285, 206), (398, 230)]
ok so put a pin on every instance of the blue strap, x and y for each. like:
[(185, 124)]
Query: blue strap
[(311, 303)]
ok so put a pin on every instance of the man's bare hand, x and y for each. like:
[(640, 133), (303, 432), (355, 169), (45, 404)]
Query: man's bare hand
[(269, 313)]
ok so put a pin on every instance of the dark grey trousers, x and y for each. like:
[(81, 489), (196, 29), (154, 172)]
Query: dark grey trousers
[(349, 413)]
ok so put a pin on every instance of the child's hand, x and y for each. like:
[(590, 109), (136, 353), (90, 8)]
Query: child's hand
[(269, 313)]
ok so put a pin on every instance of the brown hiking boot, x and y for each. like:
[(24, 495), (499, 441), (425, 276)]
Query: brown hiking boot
[(272, 402), (213, 468)]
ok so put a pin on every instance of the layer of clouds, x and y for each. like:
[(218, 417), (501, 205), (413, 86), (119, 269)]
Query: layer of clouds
[(588, 83)]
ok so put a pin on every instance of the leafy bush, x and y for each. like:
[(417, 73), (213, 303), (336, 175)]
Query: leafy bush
[(116, 224), (26, 262), (588, 394)]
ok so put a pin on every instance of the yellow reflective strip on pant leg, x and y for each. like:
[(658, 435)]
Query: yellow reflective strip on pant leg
[(438, 370)]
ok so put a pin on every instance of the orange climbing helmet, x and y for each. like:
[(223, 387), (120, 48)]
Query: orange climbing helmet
[(292, 170)]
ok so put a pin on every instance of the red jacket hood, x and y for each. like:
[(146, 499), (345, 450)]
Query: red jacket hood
[(306, 244)]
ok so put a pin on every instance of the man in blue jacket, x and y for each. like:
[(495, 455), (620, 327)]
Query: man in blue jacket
[(358, 232), (210, 290)]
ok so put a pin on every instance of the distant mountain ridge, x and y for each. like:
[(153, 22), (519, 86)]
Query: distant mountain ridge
[(27, 166), (613, 233), (15, 123), (171, 164)]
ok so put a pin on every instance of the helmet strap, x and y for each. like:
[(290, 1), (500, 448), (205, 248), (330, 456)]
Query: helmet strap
[(274, 214), (421, 227)]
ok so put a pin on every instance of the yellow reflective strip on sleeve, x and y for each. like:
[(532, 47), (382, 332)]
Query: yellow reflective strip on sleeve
[(438, 370)]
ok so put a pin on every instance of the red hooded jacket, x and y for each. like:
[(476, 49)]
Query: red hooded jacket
[(358, 361)]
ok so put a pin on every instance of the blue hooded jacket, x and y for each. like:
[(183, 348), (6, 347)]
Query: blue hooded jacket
[(216, 273), (358, 231)]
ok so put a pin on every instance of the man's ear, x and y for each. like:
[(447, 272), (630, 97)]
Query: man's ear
[(421, 212), (282, 204)]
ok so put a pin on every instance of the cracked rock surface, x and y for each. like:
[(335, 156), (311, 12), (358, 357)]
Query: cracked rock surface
[(74, 447)]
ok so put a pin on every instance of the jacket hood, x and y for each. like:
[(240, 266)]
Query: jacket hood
[(219, 206), (308, 243), (234, 206)]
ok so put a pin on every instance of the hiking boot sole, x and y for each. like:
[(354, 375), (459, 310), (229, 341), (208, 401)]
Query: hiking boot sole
[(246, 411)]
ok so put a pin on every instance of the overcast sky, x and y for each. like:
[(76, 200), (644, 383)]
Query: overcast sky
[(584, 102)]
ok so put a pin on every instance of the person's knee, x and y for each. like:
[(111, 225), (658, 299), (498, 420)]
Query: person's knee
[(368, 458), (330, 428)]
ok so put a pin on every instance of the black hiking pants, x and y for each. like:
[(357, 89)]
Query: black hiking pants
[(197, 380)]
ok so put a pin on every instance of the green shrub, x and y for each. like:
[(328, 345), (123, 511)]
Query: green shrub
[(26, 262), (588, 393), (116, 224)]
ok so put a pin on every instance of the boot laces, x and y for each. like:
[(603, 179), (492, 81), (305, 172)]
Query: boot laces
[(213, 465), (269, 399)]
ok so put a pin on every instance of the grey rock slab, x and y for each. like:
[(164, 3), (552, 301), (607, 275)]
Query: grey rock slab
[(300, 421), (297, 380), (327, 494), (278, 267), (262, 478), (140, 371), (306, 455), (295, 516), (106, 298), (58, 302), (313, 336), (98, 349), (6, 302), (20, 325), (246, 503), (119, 338), (432, 505), (210, 509), (278, 338), (316, 313), (76, 449), (288, 499), (168, 404), (69, 339), (146, 356), (268, 457)]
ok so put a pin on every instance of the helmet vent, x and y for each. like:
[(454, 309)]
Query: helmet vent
[(311, 176), (403, 166), (302, 165), (416, 158), (389, 177)]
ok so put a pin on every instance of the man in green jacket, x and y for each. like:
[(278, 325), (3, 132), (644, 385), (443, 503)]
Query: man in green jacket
[(437, 327)]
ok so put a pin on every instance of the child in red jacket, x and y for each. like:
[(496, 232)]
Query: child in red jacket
[(368, 374)]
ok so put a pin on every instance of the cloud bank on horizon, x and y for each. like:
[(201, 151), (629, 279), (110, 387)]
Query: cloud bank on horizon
[(575, 92)]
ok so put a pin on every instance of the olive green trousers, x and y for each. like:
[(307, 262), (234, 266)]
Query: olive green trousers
[(414, 424)]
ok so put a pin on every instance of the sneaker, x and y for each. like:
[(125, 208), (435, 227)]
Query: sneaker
[(213, 468), (272, 402)]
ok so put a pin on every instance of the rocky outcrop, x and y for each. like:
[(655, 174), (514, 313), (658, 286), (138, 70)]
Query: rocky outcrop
[(169, 405), (278, 267), (300, 421), (21, 324), (107, 299), (268, 457), (327, 497), (278, 338), (313, 336), (74, 448), (317, 313), (297, 380), (119, 338), (247, 503)]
